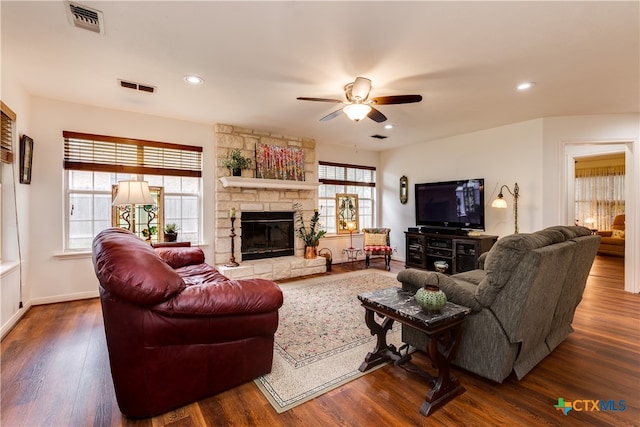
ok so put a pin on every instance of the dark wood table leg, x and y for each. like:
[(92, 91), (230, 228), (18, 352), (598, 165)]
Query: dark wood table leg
[(446, 386), (382, 351)]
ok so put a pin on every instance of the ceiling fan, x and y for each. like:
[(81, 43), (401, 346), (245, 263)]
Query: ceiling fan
[(358, 105)]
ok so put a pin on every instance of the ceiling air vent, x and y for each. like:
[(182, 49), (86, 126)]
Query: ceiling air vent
[(137, 86), (84, 17), (378, 136)]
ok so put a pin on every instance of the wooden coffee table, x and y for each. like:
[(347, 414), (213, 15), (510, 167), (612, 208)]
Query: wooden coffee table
[(442, 329)]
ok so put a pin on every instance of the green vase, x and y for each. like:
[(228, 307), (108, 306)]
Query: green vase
[(430, 298)]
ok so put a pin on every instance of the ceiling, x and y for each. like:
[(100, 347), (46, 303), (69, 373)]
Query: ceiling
[(464, 58)]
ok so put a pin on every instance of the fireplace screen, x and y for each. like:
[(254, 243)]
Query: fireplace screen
[(266, 235)]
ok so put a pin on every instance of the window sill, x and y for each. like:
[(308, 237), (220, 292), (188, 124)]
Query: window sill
[(73, 255), (80, 254), (7, 267), (335, 235)]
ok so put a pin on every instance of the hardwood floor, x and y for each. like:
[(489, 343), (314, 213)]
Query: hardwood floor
[(55, 372)]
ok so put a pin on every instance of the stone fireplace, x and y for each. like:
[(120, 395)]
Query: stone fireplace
[(266, 235), (250, 196)]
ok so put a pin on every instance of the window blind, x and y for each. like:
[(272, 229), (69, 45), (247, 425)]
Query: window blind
[(346, 174), (6, 134), (99, 153)]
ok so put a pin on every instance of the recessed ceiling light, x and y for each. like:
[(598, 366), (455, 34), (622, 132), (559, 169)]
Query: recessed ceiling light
[(193, 79), (388, 126), (525, 85)]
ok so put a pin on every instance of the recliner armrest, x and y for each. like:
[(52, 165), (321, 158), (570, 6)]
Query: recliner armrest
[(481, 259)]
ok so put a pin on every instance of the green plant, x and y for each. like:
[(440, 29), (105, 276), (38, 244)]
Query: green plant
[(236, 160), (171, 228), (310, 236)]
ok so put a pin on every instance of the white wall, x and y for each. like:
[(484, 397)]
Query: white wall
[(503, 155), (55, 278), (13, 270)]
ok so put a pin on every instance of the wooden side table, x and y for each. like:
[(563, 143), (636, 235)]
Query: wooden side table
[(442, 328)]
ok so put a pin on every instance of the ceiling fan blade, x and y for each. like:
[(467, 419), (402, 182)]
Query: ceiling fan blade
[(396, 99), (302, 98), (376, 116), (361, 88), (331, 116)]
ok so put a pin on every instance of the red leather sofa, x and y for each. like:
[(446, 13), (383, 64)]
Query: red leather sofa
[(177, 330)]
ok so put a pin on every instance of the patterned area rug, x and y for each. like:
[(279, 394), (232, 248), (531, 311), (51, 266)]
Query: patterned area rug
[(322, 338)]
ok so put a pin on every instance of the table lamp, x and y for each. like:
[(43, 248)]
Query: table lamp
[(351, 226), (132, 193)]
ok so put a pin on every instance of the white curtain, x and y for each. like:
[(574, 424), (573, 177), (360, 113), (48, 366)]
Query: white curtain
[(599, 196)]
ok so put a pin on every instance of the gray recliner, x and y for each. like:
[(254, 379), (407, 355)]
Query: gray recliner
[(523, 301)]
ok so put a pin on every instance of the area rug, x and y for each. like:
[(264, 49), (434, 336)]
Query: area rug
[(322, 338)]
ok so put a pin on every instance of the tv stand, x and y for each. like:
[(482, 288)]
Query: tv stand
[(460, 252)]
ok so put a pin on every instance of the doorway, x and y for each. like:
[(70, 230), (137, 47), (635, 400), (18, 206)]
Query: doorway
[(576, 151)]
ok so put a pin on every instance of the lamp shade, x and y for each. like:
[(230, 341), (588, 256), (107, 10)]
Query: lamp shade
[(499, 203), (357, 112), (133, 193)]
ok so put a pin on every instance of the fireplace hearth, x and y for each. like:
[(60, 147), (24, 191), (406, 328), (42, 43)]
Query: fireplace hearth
[(266, 235)]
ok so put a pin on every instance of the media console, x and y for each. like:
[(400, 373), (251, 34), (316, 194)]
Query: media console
[(459, 252)]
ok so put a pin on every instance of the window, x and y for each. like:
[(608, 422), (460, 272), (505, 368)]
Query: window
[(336, 178), (7, 119), (7, 125), (94, 164), (599, 196)]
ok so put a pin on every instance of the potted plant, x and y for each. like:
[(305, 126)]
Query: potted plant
[(310, 236), (171, 232), (236, 162)]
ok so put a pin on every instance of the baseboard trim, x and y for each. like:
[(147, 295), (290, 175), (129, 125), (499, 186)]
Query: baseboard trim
[(13, 321), (65, 298)]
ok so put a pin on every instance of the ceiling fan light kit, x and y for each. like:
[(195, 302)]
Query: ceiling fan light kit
[(358, 106), (357, 112)]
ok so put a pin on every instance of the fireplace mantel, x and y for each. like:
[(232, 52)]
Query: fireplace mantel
[(278, 184)]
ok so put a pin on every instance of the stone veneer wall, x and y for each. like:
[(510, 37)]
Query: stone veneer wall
[(229, 137)]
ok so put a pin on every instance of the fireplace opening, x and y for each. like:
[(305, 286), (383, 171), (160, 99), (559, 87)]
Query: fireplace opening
[(266, 235)]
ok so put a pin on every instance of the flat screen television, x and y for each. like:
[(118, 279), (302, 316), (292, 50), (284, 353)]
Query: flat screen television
[(450, 204)]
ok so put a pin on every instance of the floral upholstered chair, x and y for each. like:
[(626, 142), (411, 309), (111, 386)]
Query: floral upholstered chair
[(376, 242)]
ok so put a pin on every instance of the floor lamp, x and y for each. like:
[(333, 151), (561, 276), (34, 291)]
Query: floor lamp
[(132, 193), (501, 203)]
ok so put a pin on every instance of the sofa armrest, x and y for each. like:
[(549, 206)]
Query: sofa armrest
[(457, 291), (230, 297), (178, 257), (128, 268)]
